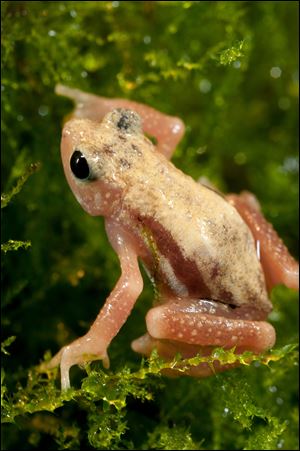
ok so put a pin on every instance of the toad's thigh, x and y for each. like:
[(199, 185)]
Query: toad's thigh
[(168, 322)]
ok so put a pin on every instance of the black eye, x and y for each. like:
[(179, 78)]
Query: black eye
[(79, 165)]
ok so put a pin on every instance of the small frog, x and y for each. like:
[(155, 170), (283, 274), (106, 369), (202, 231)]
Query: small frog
[(208, 254)]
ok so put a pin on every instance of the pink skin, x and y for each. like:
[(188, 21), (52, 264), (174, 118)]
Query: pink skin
[(120, 302), (93, 345), (168, 130), (278, 264), (178, 323)]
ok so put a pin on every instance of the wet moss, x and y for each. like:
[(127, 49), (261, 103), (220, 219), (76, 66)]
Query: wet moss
[(230, 71)]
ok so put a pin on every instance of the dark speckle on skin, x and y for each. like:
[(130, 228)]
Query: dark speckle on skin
[(124, 122), (109, 150), (216, 271), (124, 163)]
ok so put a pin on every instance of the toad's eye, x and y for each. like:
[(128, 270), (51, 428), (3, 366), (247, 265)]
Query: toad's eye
[(79, 165)]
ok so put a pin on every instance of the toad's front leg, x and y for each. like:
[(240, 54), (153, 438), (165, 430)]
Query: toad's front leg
[(93, 345), (189, 327)]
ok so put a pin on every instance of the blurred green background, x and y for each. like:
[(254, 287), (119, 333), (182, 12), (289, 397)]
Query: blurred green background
[(229, 70)]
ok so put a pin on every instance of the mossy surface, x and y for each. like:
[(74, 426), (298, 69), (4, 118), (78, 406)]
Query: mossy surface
[(230, 71)]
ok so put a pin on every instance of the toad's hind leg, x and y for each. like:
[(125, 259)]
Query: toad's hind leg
[(172, 321), (174, 328), (278, 264)]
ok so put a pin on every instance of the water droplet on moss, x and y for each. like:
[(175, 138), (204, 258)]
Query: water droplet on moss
[(43, 110), (205, 86), (225, 412), (73, 13), (52, 33), (280, 443), (275, 72), (147, 39), (291, 164), (201, 150), (273, 389)]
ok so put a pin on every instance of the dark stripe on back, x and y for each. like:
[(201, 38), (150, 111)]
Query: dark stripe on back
[(185, 269)]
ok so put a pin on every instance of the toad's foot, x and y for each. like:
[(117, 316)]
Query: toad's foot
[(83, 350), (168, 349)]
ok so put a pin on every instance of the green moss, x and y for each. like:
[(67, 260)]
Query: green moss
[(214, 64), (232, 54), (6, 198), (7, 343), (106, 396), (164, 437), (13, 245)]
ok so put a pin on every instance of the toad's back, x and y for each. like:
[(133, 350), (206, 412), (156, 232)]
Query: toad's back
[(205, 249)]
